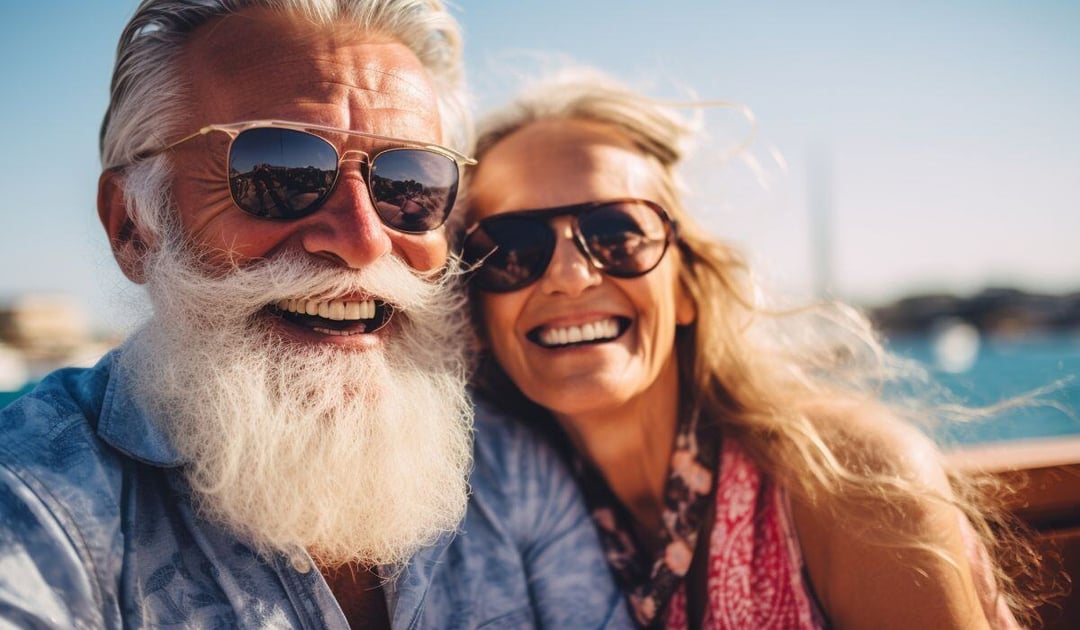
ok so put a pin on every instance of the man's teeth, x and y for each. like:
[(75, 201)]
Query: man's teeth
[(338, 310), (603, 329)]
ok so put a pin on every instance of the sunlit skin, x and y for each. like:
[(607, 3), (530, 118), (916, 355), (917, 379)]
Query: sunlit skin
[(606, 395), (292, 70), (619, 400)]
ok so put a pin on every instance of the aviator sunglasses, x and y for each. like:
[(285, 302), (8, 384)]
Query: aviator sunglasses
[(284, 171), (624, 238)]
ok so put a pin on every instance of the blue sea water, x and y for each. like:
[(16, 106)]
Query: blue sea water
[(1002, 369), (7, 397)]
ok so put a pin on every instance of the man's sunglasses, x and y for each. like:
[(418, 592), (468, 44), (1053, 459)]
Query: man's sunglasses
[(285, 171), (624, 238)]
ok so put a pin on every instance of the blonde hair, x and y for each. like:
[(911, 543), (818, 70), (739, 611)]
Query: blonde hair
[(777, 380)]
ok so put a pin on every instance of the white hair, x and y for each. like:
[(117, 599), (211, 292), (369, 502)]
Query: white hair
[(354, 456), (147, 95)]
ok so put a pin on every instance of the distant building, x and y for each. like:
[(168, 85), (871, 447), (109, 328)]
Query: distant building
[(42, 332), (13, 371)]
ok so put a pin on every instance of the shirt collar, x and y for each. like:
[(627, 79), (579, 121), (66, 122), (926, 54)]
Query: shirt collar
[(406, 593), (125, 425)]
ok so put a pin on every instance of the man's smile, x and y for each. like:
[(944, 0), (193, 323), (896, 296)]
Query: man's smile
[(335, 317)]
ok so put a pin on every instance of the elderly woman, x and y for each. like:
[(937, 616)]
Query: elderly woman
[(738, 478)]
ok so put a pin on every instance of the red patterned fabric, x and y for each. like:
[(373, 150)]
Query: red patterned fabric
[(755, 566)]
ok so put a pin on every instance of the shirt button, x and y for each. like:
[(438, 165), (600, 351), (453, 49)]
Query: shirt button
[(300, 563)]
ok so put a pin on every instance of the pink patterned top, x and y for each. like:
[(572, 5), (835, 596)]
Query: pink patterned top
[(755, 576)]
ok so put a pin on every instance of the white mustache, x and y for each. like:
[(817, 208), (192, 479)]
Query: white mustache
[(243, 291)]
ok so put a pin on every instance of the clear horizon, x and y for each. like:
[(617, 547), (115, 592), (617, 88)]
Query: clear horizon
[(943, 138)]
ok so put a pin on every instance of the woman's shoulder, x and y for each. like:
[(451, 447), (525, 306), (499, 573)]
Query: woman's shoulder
[(886, 481), (871, 439), (889, 544)]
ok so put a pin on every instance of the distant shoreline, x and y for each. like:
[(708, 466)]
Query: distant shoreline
[(993, 312)]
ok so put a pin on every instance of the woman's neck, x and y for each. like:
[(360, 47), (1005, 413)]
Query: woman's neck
[(631, 446)]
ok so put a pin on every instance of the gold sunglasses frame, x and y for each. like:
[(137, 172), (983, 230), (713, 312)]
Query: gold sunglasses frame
[(233, 130)]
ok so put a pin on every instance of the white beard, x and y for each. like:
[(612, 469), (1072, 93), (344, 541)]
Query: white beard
[(355, 456)]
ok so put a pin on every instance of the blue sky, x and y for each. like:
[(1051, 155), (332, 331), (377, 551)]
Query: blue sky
[(945, 134)]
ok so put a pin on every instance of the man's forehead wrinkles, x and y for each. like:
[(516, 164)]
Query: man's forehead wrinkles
[(375, 79), (411, 80), (349, 100), (331, 74)]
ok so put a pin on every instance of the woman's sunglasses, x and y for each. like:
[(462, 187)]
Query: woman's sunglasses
[(624, 238), (283, 171)]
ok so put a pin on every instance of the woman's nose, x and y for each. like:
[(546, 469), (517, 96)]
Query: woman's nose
[(569, 271)]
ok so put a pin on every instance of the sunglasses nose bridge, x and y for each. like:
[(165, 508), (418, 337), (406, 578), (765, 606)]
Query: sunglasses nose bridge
[(567, 229), (575, 234), (571, 268), (354, 155), (361, 159)]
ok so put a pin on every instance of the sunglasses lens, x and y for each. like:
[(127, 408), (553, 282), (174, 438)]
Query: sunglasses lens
[(628, 238), (413, 189), (511, 252), (280, 173)]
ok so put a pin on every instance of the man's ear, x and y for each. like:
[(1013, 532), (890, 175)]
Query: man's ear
[(127, 242)]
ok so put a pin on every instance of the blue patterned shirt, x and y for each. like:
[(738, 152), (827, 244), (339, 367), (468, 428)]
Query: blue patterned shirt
[(97, 529)]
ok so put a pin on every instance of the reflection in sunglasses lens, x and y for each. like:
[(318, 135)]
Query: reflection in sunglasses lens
[(626, 238), (515, 251), (413, 190), (280, 173)]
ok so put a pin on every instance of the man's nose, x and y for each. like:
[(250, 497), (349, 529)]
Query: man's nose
[(347, 229), (569, 271)]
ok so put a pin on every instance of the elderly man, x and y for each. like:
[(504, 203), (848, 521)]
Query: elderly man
[(286, 443)]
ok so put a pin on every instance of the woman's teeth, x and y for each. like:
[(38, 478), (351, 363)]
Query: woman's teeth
[(594, 331), (337, 310)]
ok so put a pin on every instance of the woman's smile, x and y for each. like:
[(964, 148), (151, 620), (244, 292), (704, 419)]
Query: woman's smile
[(597, 331)]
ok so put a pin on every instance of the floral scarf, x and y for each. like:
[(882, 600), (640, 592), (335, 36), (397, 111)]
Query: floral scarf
[(650, 583)]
